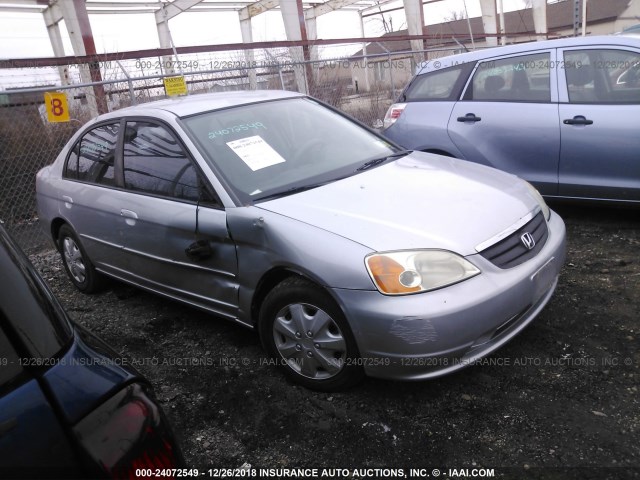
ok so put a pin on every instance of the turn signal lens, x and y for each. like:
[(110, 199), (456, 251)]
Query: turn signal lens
[(403, 272), (387, 274)]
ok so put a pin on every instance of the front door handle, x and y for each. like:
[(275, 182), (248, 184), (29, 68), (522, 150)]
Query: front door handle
[(578, 120), (130, 216), (199, 250), (469, 117)]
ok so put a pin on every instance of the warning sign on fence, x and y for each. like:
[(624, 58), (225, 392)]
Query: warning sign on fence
[(57, 107), (175, 86)]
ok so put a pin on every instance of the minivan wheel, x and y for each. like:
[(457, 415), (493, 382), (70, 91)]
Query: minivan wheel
[(76, 263), (303, 329)]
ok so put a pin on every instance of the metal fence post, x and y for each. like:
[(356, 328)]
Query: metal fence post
[(132, 93), (393, 87), (281, 78)]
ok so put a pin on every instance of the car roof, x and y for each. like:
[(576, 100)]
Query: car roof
[(191, 104), (612, 40)]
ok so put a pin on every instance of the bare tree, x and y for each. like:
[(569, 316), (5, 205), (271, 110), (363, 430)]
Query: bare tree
[(385, 22), (455, 15)]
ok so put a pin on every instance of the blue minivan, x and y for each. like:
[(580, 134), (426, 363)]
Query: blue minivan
[(562, 114)]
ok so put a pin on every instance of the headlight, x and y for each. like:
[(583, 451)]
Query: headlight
[(399, 273), (543, 205)]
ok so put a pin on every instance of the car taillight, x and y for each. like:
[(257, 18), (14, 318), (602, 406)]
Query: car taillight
[(127, 436), (393, 114)]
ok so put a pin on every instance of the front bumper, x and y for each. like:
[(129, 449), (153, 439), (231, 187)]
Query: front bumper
[(426, 335)]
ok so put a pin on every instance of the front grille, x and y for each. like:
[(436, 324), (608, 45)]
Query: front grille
[(511, 251)]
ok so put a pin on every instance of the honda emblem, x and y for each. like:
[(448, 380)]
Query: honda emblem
[(528, 240)]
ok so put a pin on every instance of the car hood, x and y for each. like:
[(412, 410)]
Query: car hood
[(419, 201)]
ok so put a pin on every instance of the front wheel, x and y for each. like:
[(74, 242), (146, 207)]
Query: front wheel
[(305, 331), (77, 263)]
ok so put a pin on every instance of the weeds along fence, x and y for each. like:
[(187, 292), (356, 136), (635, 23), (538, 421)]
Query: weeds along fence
[(362, 85)]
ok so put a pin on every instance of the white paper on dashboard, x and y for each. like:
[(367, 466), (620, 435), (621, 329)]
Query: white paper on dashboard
[(255, 152)]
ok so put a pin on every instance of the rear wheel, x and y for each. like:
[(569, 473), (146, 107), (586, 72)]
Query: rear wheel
[(76, 263), (305, 331)]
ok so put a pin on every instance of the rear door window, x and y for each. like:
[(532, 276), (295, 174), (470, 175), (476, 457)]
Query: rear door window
[(525, 78)]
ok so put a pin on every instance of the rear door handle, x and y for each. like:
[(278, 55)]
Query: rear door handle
[(469, 117), (130, 216), (578, 120), (68, 201)]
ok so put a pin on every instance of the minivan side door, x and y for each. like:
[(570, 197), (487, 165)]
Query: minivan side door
[(599, 91), (177, 240), (507, 117)]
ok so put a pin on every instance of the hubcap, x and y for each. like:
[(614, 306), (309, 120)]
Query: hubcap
[(310, 341), (73, 259)]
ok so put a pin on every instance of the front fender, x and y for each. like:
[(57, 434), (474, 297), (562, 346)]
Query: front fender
[(266, 240)]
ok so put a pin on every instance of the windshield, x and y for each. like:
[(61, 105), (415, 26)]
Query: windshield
[(279, 147)]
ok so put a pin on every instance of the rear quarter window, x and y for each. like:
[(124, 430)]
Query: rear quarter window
[(92, 159), (440, 85)]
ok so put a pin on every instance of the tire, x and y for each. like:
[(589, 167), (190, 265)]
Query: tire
[(305, 332), (76, 262)]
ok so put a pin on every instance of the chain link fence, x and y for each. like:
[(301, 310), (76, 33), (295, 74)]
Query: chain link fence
[(361, 85)]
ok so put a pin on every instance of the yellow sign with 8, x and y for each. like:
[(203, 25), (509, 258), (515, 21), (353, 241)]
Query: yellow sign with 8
[(57, 107)]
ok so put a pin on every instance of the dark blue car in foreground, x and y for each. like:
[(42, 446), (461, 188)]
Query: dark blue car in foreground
[(70, 407)]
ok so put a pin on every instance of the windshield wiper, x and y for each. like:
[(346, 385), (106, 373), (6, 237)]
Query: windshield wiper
[(302, 188), (290, 191), (378, 161)]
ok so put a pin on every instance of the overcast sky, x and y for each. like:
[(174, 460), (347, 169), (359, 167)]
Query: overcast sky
[(24, 35)]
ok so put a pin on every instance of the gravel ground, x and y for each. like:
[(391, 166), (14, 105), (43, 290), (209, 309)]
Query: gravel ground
[(560, 401)]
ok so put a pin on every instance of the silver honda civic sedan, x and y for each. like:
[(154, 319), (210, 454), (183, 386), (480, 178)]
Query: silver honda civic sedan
[(347, 254)]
